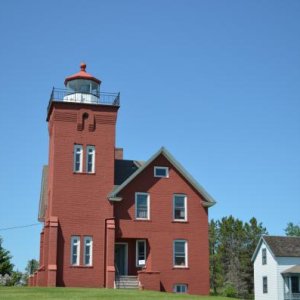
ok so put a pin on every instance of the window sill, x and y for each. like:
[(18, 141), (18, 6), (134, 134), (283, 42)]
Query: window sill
[(180, 221), (142, 220), (180, 268), (84, 173), (81, 267)]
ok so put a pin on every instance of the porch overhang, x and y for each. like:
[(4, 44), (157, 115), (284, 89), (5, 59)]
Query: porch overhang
[(293, 270)]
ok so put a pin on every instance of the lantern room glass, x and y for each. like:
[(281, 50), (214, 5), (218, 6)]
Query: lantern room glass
[(83, 86)]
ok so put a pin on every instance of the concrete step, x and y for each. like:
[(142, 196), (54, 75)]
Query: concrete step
[(127, 282)]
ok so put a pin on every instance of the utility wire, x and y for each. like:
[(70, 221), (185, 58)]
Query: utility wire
[(19, 227)]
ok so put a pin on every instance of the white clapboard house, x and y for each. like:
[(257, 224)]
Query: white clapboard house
[(277, 268)]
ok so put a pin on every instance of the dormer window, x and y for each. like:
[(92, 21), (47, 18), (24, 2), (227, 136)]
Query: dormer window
[(161, 172)]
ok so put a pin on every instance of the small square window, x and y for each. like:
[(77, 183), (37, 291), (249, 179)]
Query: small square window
[(161, 172), (180, 288)]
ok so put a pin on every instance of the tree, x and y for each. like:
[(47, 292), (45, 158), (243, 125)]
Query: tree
[(214, 258), (6, 267), (292, 230), (232, 243), (253, 232), (32, 266)]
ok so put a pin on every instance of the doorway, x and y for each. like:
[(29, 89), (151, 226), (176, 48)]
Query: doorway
[(121, 259)]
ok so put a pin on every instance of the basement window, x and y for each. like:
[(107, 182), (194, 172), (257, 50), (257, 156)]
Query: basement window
[(180, 288), (162, 172)]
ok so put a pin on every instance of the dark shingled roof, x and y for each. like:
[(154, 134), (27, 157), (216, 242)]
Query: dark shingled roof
[(125, 168), (284, 246)]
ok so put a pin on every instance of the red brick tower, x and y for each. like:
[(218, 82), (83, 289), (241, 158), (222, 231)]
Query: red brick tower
[(79, 176)]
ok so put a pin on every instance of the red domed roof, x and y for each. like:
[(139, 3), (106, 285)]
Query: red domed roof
[(82, 74)]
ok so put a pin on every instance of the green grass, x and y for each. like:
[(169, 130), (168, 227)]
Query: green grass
[(21, 293)]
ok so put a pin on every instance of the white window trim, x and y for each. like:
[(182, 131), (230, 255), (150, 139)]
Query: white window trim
[(181, 285), (148, 206), (93, 160), (137, 252), (77, 147), (73, 239), (165, 168), (186, 254), (88, 238), (185, 208)]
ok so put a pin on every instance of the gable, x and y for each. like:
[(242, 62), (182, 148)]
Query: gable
[(208, 200)]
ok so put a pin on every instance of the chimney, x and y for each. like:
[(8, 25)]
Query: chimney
[(118, 153)]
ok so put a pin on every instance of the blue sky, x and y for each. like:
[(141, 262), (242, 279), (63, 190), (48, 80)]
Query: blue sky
[(215, 82)]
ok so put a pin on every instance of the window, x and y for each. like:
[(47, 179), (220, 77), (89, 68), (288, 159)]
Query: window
[(140, 253), (88, 250), (180, 288), (265, 285), (180, 253), (77, 158), (75, 250), (179, 208), (264, 256), (90, 159), (295, 284), (161, 172), (142, 206)]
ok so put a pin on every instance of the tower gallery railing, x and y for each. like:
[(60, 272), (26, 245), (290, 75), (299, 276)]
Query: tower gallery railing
[(65, 95)]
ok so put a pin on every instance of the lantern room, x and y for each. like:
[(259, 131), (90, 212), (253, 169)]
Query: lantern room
[(82, 87)]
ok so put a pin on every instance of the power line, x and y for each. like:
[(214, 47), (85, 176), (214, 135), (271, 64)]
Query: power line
[(19, 227)]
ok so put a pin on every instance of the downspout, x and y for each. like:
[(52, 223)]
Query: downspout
[(105, 247)]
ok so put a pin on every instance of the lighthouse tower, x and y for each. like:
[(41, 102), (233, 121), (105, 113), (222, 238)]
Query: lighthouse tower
[(79, 176)]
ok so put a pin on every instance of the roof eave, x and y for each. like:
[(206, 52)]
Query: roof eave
[(209, 200), (115, 199), (208, 204)]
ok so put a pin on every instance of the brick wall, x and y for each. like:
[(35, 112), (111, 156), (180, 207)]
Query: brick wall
[(160, 231), (79, 201)]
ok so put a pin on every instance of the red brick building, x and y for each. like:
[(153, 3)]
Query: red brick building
[(111, 222)]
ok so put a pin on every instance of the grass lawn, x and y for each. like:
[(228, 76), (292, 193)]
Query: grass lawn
[(21, 293)]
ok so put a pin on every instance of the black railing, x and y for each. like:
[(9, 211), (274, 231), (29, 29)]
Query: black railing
[(83, 97)]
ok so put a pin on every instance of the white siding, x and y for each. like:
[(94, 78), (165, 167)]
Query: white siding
[(284, 263), (269, 270)]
